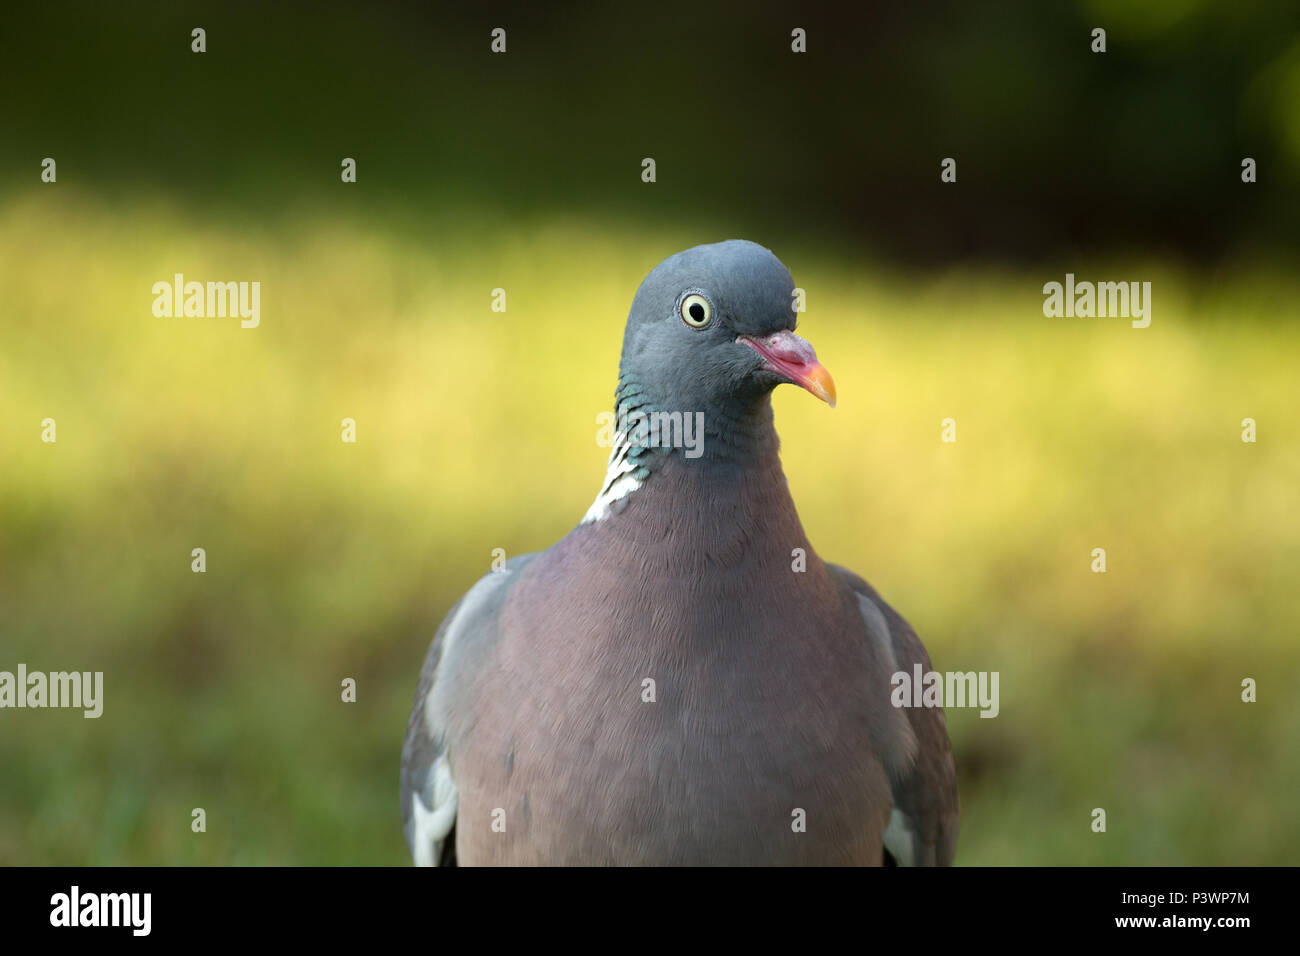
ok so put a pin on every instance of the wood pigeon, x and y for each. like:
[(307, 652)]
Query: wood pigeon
[(681, 680)]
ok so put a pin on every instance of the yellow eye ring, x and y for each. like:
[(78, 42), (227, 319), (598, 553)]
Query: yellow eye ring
[(696, 311)]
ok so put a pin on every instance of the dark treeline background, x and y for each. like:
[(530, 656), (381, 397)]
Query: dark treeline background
[(1058, 148)]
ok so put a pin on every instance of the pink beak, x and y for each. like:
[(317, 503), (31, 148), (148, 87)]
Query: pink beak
[(793, 358)]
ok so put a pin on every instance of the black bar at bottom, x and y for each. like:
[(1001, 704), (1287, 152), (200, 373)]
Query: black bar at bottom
[(335, 906)]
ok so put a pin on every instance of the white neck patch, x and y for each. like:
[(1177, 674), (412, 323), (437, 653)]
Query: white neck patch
[(620, 480)]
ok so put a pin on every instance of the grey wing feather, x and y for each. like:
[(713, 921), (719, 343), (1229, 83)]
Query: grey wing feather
[(428, 787), (923, 828)]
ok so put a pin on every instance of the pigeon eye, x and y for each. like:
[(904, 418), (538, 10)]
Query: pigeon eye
[(696, 311)]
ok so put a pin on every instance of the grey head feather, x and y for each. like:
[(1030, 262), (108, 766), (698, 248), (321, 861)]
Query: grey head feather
[(668, 365)]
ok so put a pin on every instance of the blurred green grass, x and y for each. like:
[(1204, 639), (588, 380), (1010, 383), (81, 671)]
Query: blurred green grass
[(476, 431)]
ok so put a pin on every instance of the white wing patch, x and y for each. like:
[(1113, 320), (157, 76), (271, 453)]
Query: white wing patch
[(901, 746), (899, 840), (430, 824), (430, 827)]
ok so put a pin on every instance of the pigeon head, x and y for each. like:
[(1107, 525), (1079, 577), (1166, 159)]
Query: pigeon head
[(712, 330)]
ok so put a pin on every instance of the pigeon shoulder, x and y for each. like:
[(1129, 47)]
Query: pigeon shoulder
[(923, 826), (428, 792)]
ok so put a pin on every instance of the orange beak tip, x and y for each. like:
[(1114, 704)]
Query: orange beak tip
[(823, 386)]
